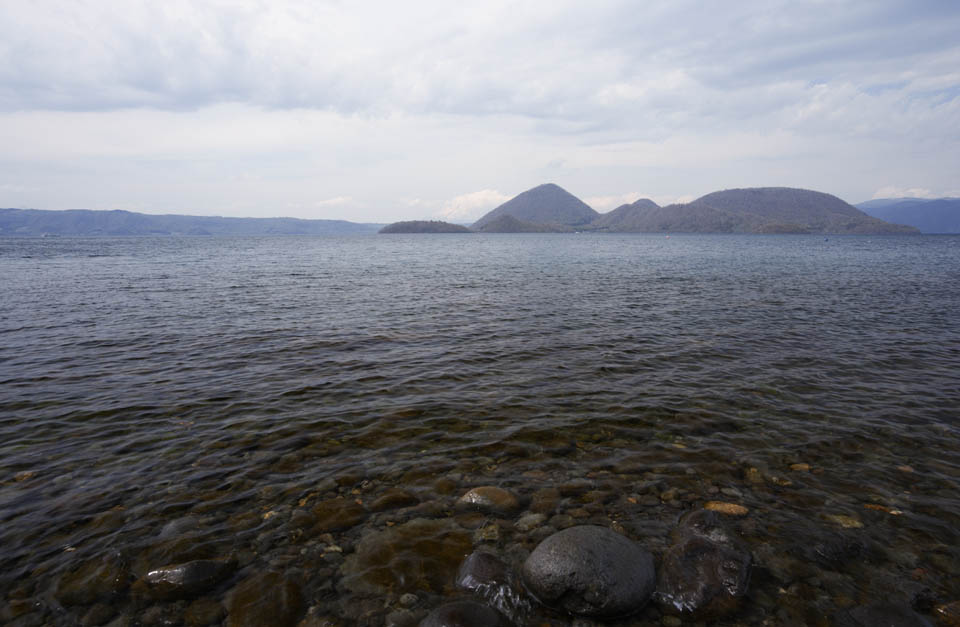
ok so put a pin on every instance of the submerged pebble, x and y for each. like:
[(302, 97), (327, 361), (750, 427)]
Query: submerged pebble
[(490, 498)]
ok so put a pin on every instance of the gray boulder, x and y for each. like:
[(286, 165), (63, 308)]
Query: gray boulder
[(590, 571)]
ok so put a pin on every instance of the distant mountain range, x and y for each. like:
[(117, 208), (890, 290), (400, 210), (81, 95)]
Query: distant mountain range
[(549, 208), (754, 210), (85, 222), (929, 215)]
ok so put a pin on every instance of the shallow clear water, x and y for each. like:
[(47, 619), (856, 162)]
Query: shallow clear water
[(174, 398)]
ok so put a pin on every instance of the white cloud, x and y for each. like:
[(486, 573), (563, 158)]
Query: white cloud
[(892, 191), (663, 201), (335, 201), (472, 206)]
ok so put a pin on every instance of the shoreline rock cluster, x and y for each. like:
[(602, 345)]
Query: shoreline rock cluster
[(597, 573)]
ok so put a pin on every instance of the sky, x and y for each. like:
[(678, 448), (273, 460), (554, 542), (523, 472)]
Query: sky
[(381, 111)]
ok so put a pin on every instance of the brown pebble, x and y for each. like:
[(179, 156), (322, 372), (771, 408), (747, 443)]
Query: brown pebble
[(730, 509), (905, 468), (23, 476), (801, 467)]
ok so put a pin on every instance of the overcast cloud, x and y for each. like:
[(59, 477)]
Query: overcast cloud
[(379, 111)]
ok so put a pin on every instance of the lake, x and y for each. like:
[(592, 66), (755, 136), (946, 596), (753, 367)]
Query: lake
[(305, 413)]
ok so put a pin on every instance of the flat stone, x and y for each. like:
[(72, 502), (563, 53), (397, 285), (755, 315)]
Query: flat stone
[(463, 614), (590, 571), (489, 498), (847, 522), (730, 509), (394, 498)]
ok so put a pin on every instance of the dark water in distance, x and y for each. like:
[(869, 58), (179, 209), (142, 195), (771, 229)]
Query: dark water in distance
[(168, 399)]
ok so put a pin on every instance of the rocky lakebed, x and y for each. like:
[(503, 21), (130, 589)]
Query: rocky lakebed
[(622, 547)]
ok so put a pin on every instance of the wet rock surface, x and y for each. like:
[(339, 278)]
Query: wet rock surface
[(705, 573), (268, 598), (182, 581), (417, 555), (98, 579), (489, 578), (590, 571), (339, 513), (489, 499)]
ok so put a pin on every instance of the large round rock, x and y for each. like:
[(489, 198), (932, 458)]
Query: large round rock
[(590, 571)]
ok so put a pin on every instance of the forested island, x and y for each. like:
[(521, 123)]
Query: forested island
[(424, 226)]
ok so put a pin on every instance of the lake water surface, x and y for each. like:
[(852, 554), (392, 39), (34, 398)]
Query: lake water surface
[(309, 410)]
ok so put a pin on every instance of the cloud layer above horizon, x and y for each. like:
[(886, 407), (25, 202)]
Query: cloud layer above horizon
[(380, 111)]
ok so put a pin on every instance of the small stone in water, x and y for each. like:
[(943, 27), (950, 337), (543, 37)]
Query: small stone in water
[(730, 509), (490, 498), (905, 468), (24, 475), (394, 498), (800, 467), (181, 581), (408, 599), (754, 476), (490, 533), (529, 521), (847, 522)]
